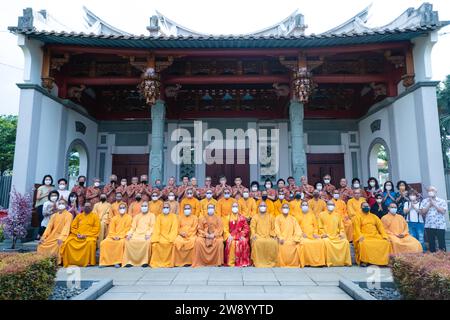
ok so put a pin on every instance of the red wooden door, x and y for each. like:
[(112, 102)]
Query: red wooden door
[(129, 165), (231, 169), (320, 164)]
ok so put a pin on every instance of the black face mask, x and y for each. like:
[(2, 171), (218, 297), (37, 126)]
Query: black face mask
[(113, 181), (103, 199), (316, 196), (298, 196), (144, 182), (365, 209), (138, 198), (264, 198), (81, 183)]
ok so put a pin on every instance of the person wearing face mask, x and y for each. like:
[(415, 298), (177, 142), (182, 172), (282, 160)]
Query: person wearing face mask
[(195, 187), (264, 245), (269, 203), (158, 185), (236, 235), (62, 189), (289, 236), (313, 247), (379, 208), (401, 196), (356, 185), (354, 204), (341, 208), (209, 199), (73, 205), (138, 248), (145, 188), (345, 192), (208, 247), (103, 210), (80, 247), (295, 205), (155, 205), (220, 188), (255, 193), (435, 211), (328, 188), (170, 187), (132, 190), (163, 237), (371, 241), (57, 231), (173, 203), (115, 205), (332, 232), (306, 188), (238, 188), (248, 203), (183, 246), (397, 230), (271, 192), (207, 186), (135, 207), (93, 192), (42, 196), (372, 189), (80, 190), (111, 249), (388, 193), (48, 209), (122, 188), (223, 207), (190, 199), (281, 186), (322, 193), (291, 186), (278, 203), (110, 188), (316, 204), (414, 217)]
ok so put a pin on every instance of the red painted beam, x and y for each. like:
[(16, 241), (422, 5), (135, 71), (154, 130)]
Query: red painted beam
[(350, 78), (244, 79), (103, 81)]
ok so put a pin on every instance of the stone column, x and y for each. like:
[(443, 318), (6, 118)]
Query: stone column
[(296, 117), (158, 113)]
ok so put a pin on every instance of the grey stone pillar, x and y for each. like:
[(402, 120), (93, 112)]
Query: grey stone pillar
[(158, 113), (296, 117)]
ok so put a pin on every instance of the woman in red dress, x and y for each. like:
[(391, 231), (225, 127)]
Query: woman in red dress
[(236, 235)]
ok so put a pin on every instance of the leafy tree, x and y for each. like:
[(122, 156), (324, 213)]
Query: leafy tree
[(443, 99), (8, 127)]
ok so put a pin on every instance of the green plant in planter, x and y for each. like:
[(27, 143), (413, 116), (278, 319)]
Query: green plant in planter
[(2, 236)]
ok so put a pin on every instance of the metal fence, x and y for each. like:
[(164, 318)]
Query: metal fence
[(5, 189)]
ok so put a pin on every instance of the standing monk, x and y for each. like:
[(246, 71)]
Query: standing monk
[(132, 189), (397, 230), (238, 189), (208, 186), (345, 191), (223, 207), (331, 229), (156, 204), (57, 231), (370, 239), (103, 210), (306, 188), (93, 192), (182, 189), (115, 205), (135, 207), (354, 204), (289, 236), (111, 249), (208, 199), (171, 187), (138, 249), (249, 203), (145, 188), (80, 190), (220, 188), (79, 248), (328, 188), (110, 188), (208, 248), (279, 202), (183, 246), (263, 242), (341, 208), (192, 201), (173, 203), (163, 237), (123, 190), (236, 235), (316, 204)]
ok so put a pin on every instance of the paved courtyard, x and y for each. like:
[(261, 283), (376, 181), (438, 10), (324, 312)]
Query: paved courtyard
[(228, 283)]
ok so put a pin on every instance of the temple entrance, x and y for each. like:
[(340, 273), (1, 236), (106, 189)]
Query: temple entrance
[(320, 164), (231, 168), (129, 165)]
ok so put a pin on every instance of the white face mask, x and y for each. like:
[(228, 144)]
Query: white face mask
[(336, 196), (144, 209), (372, 183), (393, 210), (431, 194), (379, 200), (154, 198), (208, 195), (254, 188), (166, 210), (412, 198), (53, 198), (268, 186), (305, 208), (226, 195), (123, 183), (48, 182), (96, 184), (245, 195), (281, 196), (122, 211), (319, 187), (262, 209), (211, 211), (285, 210), (73, 199), (61, 206), (330, 208), (235, 209), (171, 198), (62, 186), (326, 181), (388, 187), (356, 185)]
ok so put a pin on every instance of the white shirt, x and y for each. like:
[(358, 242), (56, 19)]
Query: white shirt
[(413, 215), (434, 219), (47, 213)]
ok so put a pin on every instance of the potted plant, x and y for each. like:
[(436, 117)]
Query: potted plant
[(18, 220)]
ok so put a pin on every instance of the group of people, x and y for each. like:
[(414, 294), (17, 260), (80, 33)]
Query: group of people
[(289, 225)]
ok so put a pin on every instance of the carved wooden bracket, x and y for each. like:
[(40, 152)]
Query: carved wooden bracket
[(57, 62)]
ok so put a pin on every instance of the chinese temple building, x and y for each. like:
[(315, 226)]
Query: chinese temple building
[(337, 98)]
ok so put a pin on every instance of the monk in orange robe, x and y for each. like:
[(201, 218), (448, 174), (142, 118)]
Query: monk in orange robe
[(249, 203), (144, 188), (341, 208), (208, 248), (93, 192), (190, 200), (354, 204), (163, 237), (316, 204), (269, 203), (122, 188), (345, 191), (110, 188), (238, 189), (220, 188), (132, 189), (328, 188), (135, 206), (306, 188), (80, 190), (183, 246), (155, 205), (173, 203), (289, 235), (115, 205), (223, 207), (207, 200), (279, 202), (171, 187)]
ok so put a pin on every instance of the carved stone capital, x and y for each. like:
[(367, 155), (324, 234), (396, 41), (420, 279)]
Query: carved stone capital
[(408, 80)]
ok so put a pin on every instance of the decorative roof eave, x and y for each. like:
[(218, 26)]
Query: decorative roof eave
[(169, 27), (353, 24), (100, 26), (292, 25)]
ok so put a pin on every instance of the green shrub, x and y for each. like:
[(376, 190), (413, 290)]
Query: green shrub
[(26, 276), (2, 236), (422, 276)]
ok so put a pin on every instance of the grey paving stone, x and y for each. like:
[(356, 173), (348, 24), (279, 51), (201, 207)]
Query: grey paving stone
[(159, 276), (238, 289), (292, 276), (324, 276), (297, 283), (148, 288), (259, 277), (303, 289), (267, 296), (153, 283), (326, 296), (183, 296), (225, 283), (121, 296), (261, 283), (189, 282), (124, 282)]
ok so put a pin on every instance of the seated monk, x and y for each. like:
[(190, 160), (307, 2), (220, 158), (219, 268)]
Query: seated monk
[(397, 230), (163, 237), (115, 205), (236, 235), (57, 231), (316, 204), (111, 249), (190, 200), (138, 247), (79, 248), (262, 234), (207, 200), (134, 207), (155, 204), (341, 208), (313, 247), (370, 239), (289, 236), (183, 246), (208, 248), (103, 210), (331, 229)]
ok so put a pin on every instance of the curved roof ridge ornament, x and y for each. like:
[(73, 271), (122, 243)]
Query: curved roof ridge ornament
[(292, 25), (160, 25), (355, 24), (97, 25)]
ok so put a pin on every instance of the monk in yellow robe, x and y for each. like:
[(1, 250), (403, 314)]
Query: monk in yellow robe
[(135, 206), (155, 205), (111, 249), (316, 204), (370, 239), (263, 239), (354, 204), (279, 202), (190, 200), (173, 203), (313, 247), (138, 247), (208, 248), (115, 205), (295, 205), (397, 230), (103, 210), (289, 235), (183, 246), (269, 203), (341, 208), (250, 204), (163, 238), (79, 248), (223, 207), (57, 231), (207, 201), (331, 229)]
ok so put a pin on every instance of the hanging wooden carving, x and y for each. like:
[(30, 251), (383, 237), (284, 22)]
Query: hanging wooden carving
[(150, 86), (302, 85)]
